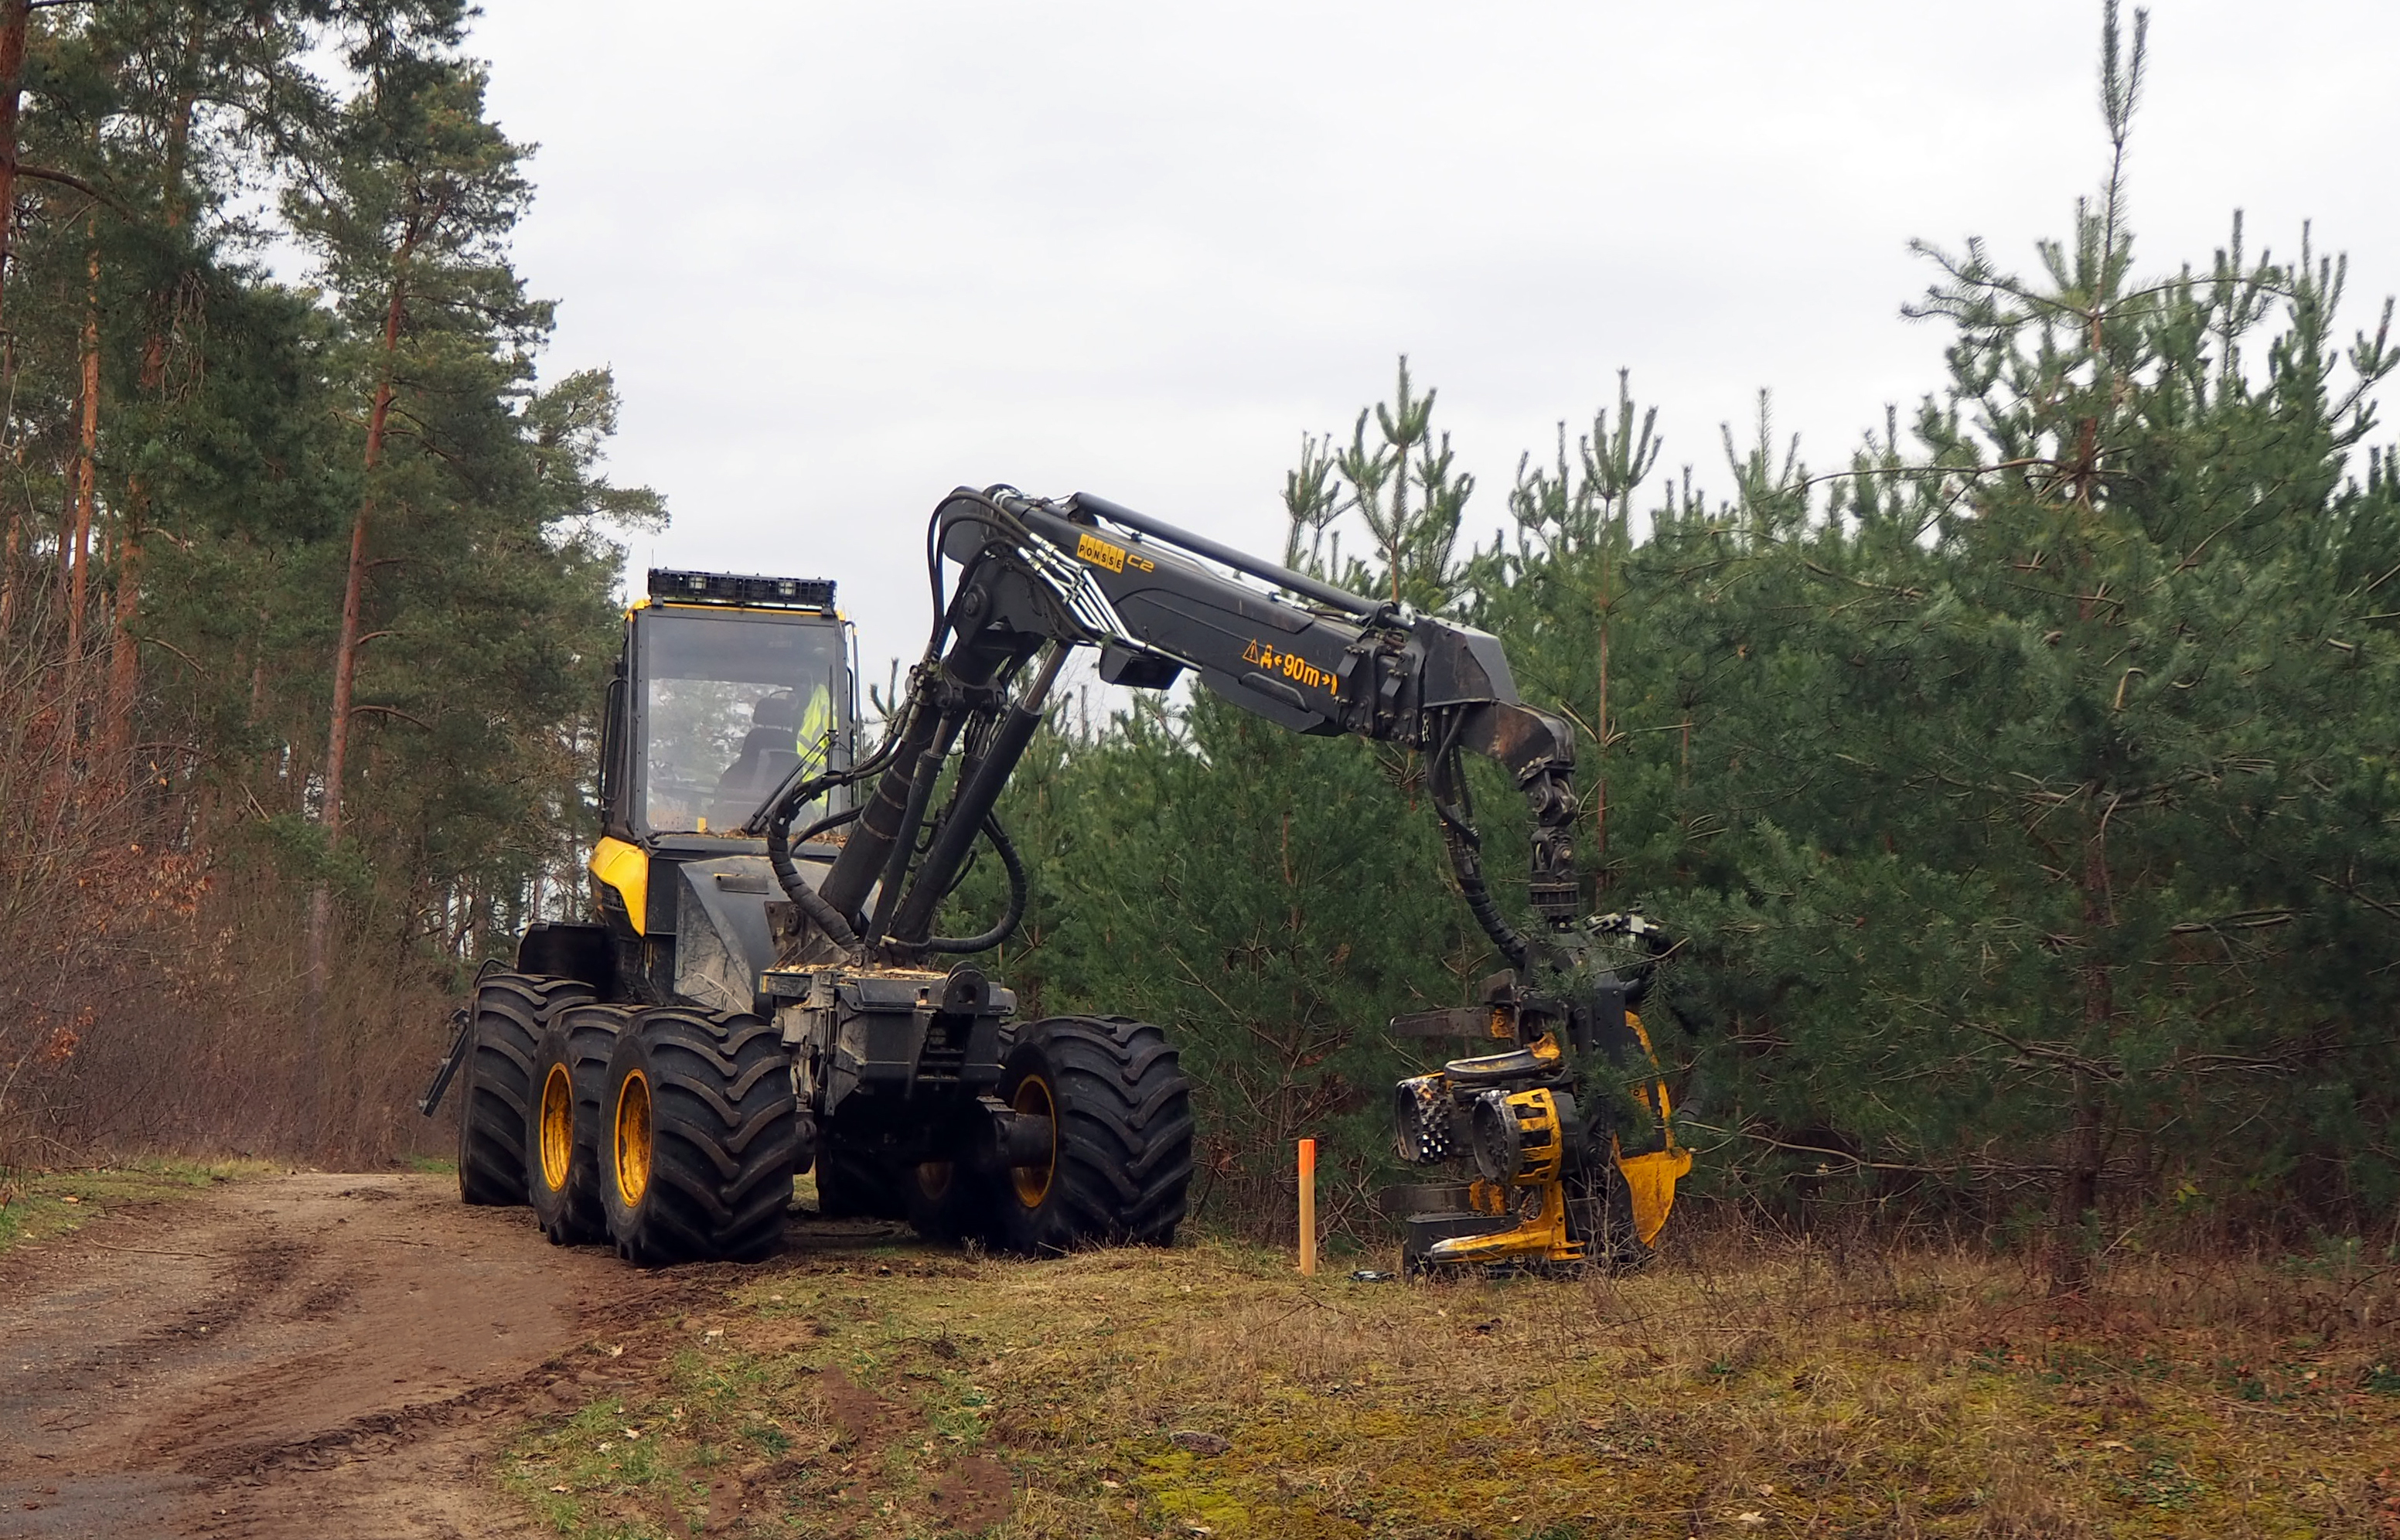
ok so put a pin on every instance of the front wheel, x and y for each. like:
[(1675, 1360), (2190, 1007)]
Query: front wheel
[(1119, 1161), (700, 1132)]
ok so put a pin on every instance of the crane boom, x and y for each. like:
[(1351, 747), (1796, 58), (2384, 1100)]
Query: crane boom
[(1038, 578)]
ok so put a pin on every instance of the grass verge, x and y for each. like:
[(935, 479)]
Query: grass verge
[(35, 1204), (1208, 1391)]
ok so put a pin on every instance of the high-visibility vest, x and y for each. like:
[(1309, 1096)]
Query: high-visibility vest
[(817, 730)]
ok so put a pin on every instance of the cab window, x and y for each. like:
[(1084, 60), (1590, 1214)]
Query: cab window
[(729, 705)]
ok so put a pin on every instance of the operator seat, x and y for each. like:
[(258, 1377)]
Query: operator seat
[(770, 752)]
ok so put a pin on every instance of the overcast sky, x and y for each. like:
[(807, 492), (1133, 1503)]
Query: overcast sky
[(844, 257)]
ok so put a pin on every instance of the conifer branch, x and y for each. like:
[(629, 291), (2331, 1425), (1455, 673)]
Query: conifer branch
[(359, 708), (68, 179)]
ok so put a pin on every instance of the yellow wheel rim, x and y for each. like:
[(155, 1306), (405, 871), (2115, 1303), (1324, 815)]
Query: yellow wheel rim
[(558, 1127), (631, 1145), (1032, 1182)]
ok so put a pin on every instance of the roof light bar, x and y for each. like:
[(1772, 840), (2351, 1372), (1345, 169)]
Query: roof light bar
[(676, 586)]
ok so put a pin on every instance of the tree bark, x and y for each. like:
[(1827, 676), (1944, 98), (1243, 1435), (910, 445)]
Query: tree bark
[(15, 16), (8, 572), (345, 650), (87, 484), (2077, 1192), (124, 649)]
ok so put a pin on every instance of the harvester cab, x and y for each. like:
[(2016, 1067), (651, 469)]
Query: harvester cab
[(727, 687)]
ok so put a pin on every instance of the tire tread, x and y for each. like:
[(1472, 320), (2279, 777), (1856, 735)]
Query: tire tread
[(511, 1011)]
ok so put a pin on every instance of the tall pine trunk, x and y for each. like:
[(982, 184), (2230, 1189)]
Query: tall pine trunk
[(77, 550), (2078, 1191), (345, 648), (8, 552), (125, 648), (15, 16)]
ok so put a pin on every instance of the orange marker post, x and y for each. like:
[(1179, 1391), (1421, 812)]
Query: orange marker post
[(1308, 1207)]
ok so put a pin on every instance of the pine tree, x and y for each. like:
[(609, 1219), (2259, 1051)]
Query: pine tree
[(410, 220)]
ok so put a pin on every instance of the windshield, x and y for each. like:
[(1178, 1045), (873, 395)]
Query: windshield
[(730, 703)]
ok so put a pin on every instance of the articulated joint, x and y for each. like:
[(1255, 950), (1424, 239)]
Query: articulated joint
[(1554, 892)]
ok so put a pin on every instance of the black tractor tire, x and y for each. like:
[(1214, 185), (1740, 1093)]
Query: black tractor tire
[(1121, 1158), (570, 1073), (510, 1012), (700, 1134), (857, 1183)]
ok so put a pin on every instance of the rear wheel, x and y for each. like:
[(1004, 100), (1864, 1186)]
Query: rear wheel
[(857, 1183), (570, 1075), (511, 1011), (1120, 1157), (950, 1201), (699, 1132)]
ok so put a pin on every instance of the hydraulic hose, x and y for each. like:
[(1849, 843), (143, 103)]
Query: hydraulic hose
[(1466, 865), (979, 789), (779, 857), (1017, 888), (1465, 847), (912, 817)]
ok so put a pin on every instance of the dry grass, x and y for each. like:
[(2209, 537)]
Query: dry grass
[(1741, 1391), (35, 1204)]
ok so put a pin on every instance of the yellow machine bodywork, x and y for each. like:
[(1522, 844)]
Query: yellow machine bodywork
[(1536, 1191), (626, 868)]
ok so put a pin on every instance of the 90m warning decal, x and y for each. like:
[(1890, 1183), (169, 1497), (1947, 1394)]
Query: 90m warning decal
[(1291, 665)]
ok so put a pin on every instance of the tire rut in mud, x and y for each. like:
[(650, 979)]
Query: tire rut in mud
[(300, 1356)]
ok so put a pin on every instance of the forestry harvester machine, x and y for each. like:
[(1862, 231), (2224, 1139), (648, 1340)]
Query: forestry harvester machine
[(765, 990)]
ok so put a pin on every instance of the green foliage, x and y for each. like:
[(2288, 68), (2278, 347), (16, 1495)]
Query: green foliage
[(179, 621), (1253, 892)]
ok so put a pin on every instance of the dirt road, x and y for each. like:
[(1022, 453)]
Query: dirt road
[(309, 1355)]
